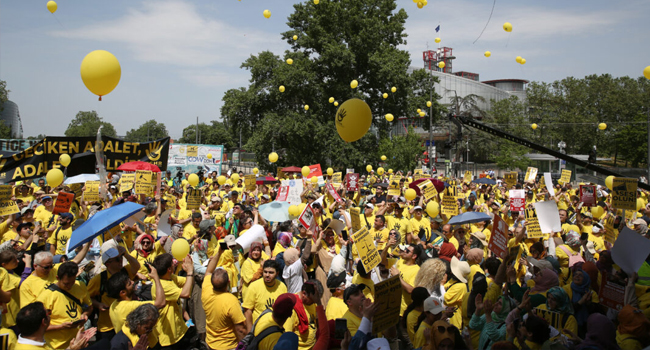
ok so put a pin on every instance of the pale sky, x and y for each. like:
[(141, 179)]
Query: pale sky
[(179, 57)]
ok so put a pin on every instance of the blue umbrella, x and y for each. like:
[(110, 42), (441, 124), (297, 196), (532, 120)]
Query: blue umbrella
[(485, 181), (275, 211), (101, 222), (469, 218)]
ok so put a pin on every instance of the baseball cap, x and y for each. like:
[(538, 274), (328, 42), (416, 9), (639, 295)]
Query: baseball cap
[(266, 196), (66, 216), (26, 209), (229, 239), (433, 305), (352, 290), (110, 254), (336, 280), (639, 222), (369, 205), (23, 225), (206, 224), (46, 197), (437, 219)]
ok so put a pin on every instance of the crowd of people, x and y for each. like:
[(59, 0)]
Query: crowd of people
[(302, 285)]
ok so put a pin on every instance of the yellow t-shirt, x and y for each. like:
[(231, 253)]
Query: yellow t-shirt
[(403, 226), (45, 217), (265, 322), (248, 269), (336, 308), (454, 297), (259, 297), (63, 310), (222, 313), (353, 322), (423, 223), (411, 319), (120, 309), (134, 338), (104, 323), (33, 286), (189, 231), (369, 291), (420, 339), (380, 237), (306, 340), (149, 221), (59, 238), (158, 249), (171, 325), (10, 282), (408, 273)]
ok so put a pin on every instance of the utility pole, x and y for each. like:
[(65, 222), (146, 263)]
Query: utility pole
[(648, 160), (430, 148), (197, 130)]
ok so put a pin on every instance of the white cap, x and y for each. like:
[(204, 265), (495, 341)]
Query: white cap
[(433, 305)]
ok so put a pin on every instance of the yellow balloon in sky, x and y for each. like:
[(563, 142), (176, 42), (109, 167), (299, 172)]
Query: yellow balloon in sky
[(487, 54), (441, 65), (316, 2), (255, 170), (533, 126), (646, 72), (420, 5), (64, 159), (54, 177), (518, 59), (209, 155), (507, 27), (336, 103), (305, 171), (331, 100), (289, 61), (273, 157), (330, 171), (353, 119), (380, 171), (383, 157), (267, 14), (100, 72), (523, 61), (602, 126), (295, 37), (281, 88), (428, 103), (422, 114), (384, 95), (51, 6), (390, 171), (221, 180), (354, 84), (368, 168), (180, 249), (609, 182), (393, 89), (193, 179), (306, 107), (425, 2), (410, 194), (437, 40), (389, 117)]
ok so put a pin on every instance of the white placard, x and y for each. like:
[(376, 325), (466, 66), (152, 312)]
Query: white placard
[(548, 216), (630, 250), (295, 190), (255, 233), (548, 180), (164, 228)]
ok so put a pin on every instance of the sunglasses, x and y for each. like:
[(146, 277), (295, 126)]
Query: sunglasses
[(443, 329), (48, 267), (146, 242)]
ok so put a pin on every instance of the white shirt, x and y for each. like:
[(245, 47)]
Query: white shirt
[(292, 275)]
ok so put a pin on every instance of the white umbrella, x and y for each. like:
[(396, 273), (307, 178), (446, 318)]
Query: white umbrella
[(81, 178)]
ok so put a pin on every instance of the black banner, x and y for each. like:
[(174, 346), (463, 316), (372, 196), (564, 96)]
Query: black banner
[(36, 160)]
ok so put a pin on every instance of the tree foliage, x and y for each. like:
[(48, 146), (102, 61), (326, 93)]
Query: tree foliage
[(87, 123), (338, 41), (402, 152), (150, 130), (213, 134)]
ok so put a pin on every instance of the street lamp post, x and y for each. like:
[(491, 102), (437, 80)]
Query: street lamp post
[(562, 146)]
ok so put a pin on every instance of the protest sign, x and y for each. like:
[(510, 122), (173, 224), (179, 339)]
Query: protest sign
[(449, 201), (77, 189), (565, 178), (418, 176), (283, 193), (349, 171), (548, 216), (554, 319), (611, 294), (336, 178), (510, 179), (366, 249), (158, 183), (352, 182), (126, 182), (143, 182), (630, 250), (7, 205), (249, 182), (548, 180), (588, 195), (281, 174), (531, 174), (467, 178), (624, 193), (517, 200), (193, 198), (91, 194), (428, 189), (63, 202), (306, 217), (388, 297), (355, 218), (333, 193), (315, 170), (610, 231), (532, 225), (295, 190), (394, 187), (499, 238)]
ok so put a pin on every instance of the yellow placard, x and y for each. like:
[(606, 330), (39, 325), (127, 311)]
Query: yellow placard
[(542, 182), (393, 186), (388, 297), (610, 231), (91, 194), (7, 205), (449, 200), (467, 178), (126, 182), (428, 189), (249, 182), (510, 179), (77, 189), (533, 230), (192, 151), (337, 178), (193, 198), (624, 193), (565, 178), (531, 174), (366, 249), (144, 182), (355, 217)]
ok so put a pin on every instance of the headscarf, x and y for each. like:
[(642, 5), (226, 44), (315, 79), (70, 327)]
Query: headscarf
[(592, 270), (284, 238), (632, 321), (256, 245), (601, 334), (578, 292), (572, 238), (605, 262), (138, 244), (561, 299), (546, 280), (291, 255), (474, 256), (447, 251), (506, 307), (175, 230)]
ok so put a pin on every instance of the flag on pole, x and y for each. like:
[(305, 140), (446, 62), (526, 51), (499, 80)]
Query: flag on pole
[(438, 28)]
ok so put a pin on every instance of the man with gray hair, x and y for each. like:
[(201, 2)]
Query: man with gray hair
[(138, 332)]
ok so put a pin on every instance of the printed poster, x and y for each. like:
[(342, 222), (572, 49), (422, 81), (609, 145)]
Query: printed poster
[(388, 296), (368, 253), (126, 182), (498, 243), (427, 189), (355, 219), (624, 193), (517, 200), (307, 217), (7, 205), (565, 178), (533, 230), (588, 195), (531, 174), (91, 194), (193, 199), (63, 202), (511, 179)]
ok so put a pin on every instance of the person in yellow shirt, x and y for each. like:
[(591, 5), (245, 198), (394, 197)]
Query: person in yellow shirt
[(456, 288), (256, 257), (59, 238), (9, 291), (225, 322), (171, 327), (69, 309), (357, 303), (379, 232), (363, 277), (399, 223), (138, 332), (420, 226), (336, 308), (407, 269), (368, 218), (43, 213), (273, 321), (262, 294)]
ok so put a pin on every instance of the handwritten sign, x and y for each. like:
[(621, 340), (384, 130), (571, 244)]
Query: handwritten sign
[(63, 202), (355, 218), (624, 193), (126, 182), (7, 205), (91, 194), (366, 249), (428, 189), (517, 200), (388, 297), (193, 198), (533, 230), (498, 243), (565, 178), (295, 189)]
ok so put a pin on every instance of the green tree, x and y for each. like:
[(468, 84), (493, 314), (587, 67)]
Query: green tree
[(213, 134), (338, 41), (5, 131), (39, 137), (403, 151), (87, 123), (4, 93), (150, 130)]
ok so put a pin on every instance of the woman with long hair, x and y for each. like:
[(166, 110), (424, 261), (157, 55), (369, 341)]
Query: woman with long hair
[(413, 311)]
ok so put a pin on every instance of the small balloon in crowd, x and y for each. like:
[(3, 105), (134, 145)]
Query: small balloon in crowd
[(336, 103), (609, 182), (54, 177), (380, 171), (255, 170), (64, 159), (518, 59), (533, 126), (221, 180), (193, 179), (410, 194), (384, 95), (646, 72), (295, 37), (433, 209), (180, 249), (523, 61), (368, 168), (306, 107), (234, 178), (428, 103), (383, 157), (330, 171), (100, 72), (314, 179), (305, 171)]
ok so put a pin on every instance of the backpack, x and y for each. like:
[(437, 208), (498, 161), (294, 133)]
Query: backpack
[(250, 341), (573, 258)]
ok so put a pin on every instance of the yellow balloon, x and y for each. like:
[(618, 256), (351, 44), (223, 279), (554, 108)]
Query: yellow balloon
[(428, 103), (383, 157), (354, 84), (441, 65), (51, 6), (267, 13), (602, 126), (393, 89), (273, 157), (100, 72), (353, 119), (437, 40), (331, 100), (295, 37), (422, 114), (384, 95), (64, 159), (507, 27), (281, 88), (305, 171), (523, 61), (425, 2), (433, 209), (389, 117), (372, 180), (234, 178), (609, 182), (487, 54), (598, 211), (419, 110), (368, 168), (330, 171), (54, 177), (518, 59), (255, 170), (316, 2), (314, 179), (410, 194), (420, 5), (221, 180), (390, 171), (306, 107), (380, 171), (301, 207), (180, 249), (336, 103), (193, 179), (289, 61), (209, 156), (533, 126), (646, 72), (293, 210)]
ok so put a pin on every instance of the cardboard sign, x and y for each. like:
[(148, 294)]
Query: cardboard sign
[(355, 218), (307, 217), (418, 176), (7, 205), (366, 249), (510, 179), (349, 171), (91, 194), (498, 243), (588, 195), (158, 182), (565, 178), (624, 193), (532, 225), (548, 216), (333, 193), (143, 182), (610, 231), (281, 174), (352, 182), (427, 189), (63, 202), (467, 178), (388, 297), (283, 193), (611, 294), (249, 182), (393, 186), (549, 181), (77, 189), (337, 178), (126, 182), (630, 250), (295, 190), (517, 200), (449, 201), (193, 198), (531, 174)]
